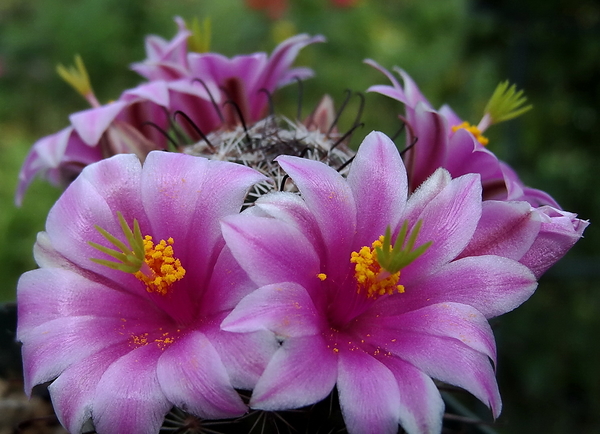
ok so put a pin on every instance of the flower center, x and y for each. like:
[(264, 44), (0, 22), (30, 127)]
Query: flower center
[(163, 269), (377, 268), (153, 264), (370, 276), (473, 130)]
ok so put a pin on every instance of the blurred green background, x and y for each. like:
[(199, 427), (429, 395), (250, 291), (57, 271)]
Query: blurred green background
[(456, 50)]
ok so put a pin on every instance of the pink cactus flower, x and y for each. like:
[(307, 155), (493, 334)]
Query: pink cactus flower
[(246, 80), (536, 237), (124, 341), (97, 133), (166, 60), (243, 79), (444, 140), (351, 312), (59, 158), (198, 85)]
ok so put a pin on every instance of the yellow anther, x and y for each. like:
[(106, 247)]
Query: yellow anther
[(322, 276), (369, 274), (473, 130), (164, 268)]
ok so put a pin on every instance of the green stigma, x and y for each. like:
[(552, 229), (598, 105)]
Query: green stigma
[(199, 40), (506, 103), (77, 77), (393, 259), (129, 258)]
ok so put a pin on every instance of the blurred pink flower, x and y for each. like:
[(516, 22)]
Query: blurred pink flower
[(197, 84), (244, 79), (97, 133), (443, 140)]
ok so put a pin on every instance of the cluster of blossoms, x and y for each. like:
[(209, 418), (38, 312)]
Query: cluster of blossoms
[(162, 285)]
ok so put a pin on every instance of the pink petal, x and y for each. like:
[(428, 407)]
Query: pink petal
[(293, 74), (271, 250), (99, 192), (57, 344), (218, 68), (421, 406), (192, 376), (491, 284), (369, 394), (155, 91), (92, 123), (245, 355), (51, 293), (293, 379), (395, 91), (166, 59), (378, 181), (426, 192), (559, 231), (539, 198), (284, 55), (46, 256), (59, 158), (413, 94), (128, 396), (430, 150), (389, 91), (229, 283), (186, 197), (46, 154), (449, 221), (283, 308), (191, 98), (450, 115), (505, 229), (277, 72), (74, 390), (449, 320), (330, 199), (467, 155), (292, 209), (448, 360)]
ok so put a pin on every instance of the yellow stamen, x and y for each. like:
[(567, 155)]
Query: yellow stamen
[(153, 264), (369, 274), (322, 276), (473, 130), (163, 268), (162, 340)]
